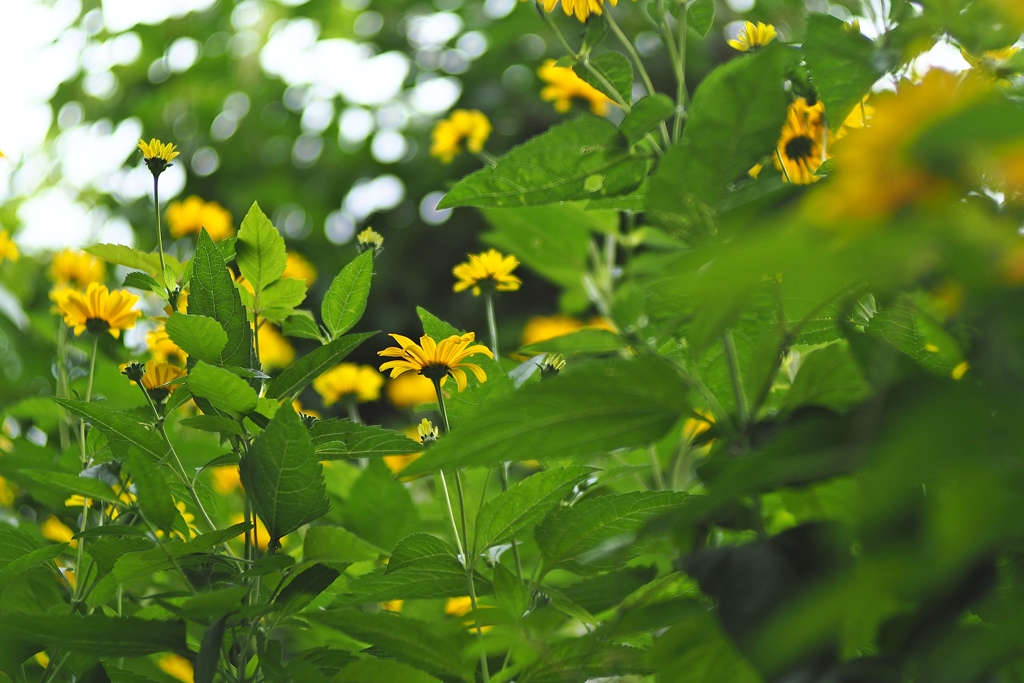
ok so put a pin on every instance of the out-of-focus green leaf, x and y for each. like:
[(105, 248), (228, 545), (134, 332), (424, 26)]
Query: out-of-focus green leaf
[(461, 405), (700, 16), (19, 566), (376, 670), (616, 75), (829, 377), (696, 651), (337, 439), (212, 293), (581, 342), (335, 545), (295, 378), (121, 430), (282, 477), (260, 251), (209, 652), (301, 590), (843, 64), (213, 423), (585, 658), (72, 484), (200, 337), (345, 301), (147, 262), (377, 495), (223, 388), (580, 159), (645, 116), (153, 492), (599, 407)]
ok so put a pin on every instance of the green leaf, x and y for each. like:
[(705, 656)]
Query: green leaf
[(413, 642), (615, 71), (214, 603), (435, 327), (302, 590), (523, 505), (593, 34), (828, 377), (420, 549), (338, 439), (645, 116), (139, 280), (93, 635), (580, 537), (282, 477), (301, 324), (697, 651), (462, 405), (260, 251), (285, 293), (345, 301), (377, 670), (213, 423), (581, 341), (67, 483), (510, 593), (19, 566), (121, 431), (377, 495), (735, 119), (591, 409), (147, 262), (197, 335), (153, 492), (700, 16), (583, 158), (223, 388), (843, 65), (300, 373), (212, 293), (209, 652), (334, 545)]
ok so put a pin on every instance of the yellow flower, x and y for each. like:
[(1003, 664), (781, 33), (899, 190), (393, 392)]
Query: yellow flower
[(298, 267), (397, 463), (7, 493), (158, 155), (225, 479), (392, 605), (57, 531), (753, 36), (275, 351), (410, 390), (177, 667), (42, 659), (190, 522), (193, 214), (470, 125), (800, 152), (349, 381), (297, 407), (960, 370), (426, 432), (993, 62), (544, 327), (436, 360), (490, 271), (370, 238), (156, 375), (563, 86), (457, 607), (98, 310), (74, 268), (582, 9), (161, 346), (260, 533), (8, 249)]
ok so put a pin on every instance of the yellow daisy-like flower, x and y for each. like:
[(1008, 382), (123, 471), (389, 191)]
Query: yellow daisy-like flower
[(177, 667), (190, 216), (410, 390), (276, 352), (563, 86), (799, 152), (158, 155), (753, 36), (436, 360), (470, 125), (73, 268), (993, 62), (370, 238), (298, 267), (581, 9), (98, 310), (348, 380), (8, 249), (163, 348), (155, 377), (490, 271)]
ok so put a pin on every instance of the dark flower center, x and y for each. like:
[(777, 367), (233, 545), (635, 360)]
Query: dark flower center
[(97, 325), (435, 372), (799, 148)]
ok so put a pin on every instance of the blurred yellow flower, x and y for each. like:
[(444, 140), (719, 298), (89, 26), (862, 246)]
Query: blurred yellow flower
[(276, 352), (189, 216), (489, 270), (457, 607), (158, 373), (297, 407), (410, 390), (98, 310), (800, 151), (753, 36), (581, 9), (162, 348), (436, 360), (960, 370), (392, 605), (7, 493), (57, 531), (349, 381), (544, 327), (993, 62), (298, 267), (260, 534), (73, 268), (42, 659), (177, 667), (225, 479), (470, 125), (8, 249), (563, 86)]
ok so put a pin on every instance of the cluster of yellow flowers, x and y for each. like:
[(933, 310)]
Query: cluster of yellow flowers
[(471, 126)]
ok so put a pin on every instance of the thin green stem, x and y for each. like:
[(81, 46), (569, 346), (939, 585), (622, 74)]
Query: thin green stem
[(476, 622), (737, 381), (62, 380), (639, 67), (353, 410), (159, 232), (79, 574), (659, 481), (492, 324), (681, 95), (462, 515), (444, 482), (515, 546)]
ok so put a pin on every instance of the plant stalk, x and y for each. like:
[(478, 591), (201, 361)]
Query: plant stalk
[(160, 233), (492, 324)]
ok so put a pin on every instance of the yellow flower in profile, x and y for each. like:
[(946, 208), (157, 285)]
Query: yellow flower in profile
[(177, 667), (8, 249), (470, 125), (426, 432), (410, 390), (800, 152), (98, 310), (162, 348), (490, 271), (436, 360), (57, 531), (190, 216), (158, 155), (581, 9), (73, 268), (993, 62), (276, 352), (349, 381), (298, 267), (753, 36), (563, 86), (370, 238), (156, 375)]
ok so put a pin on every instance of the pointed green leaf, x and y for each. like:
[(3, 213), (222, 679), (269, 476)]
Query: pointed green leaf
[(153, 491), (700, 16), (147, 262), (582, 342), (284, 293), (223, 388), (209, 652), (301, 590), (616, 75), (17, 567), (645, 117), (282, 477), (334, 545), (420, 549), (337, 439), (829, 377), (377, 495), (301, 324), (197, 335), (212, 293), (843, 64), (510, 593), (300, 373), (93, 635), (67, 483), (260, 251), (435, 327), (139, 280), (377, 670), (345, 301), (121, 430)]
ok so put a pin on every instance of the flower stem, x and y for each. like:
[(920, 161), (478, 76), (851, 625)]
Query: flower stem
[(79, 574), (681, 95), (62, 380), (444, 482), (492, 324), (515, 546), (353, 411), (639, 67), (159, 232), (737, 381)]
